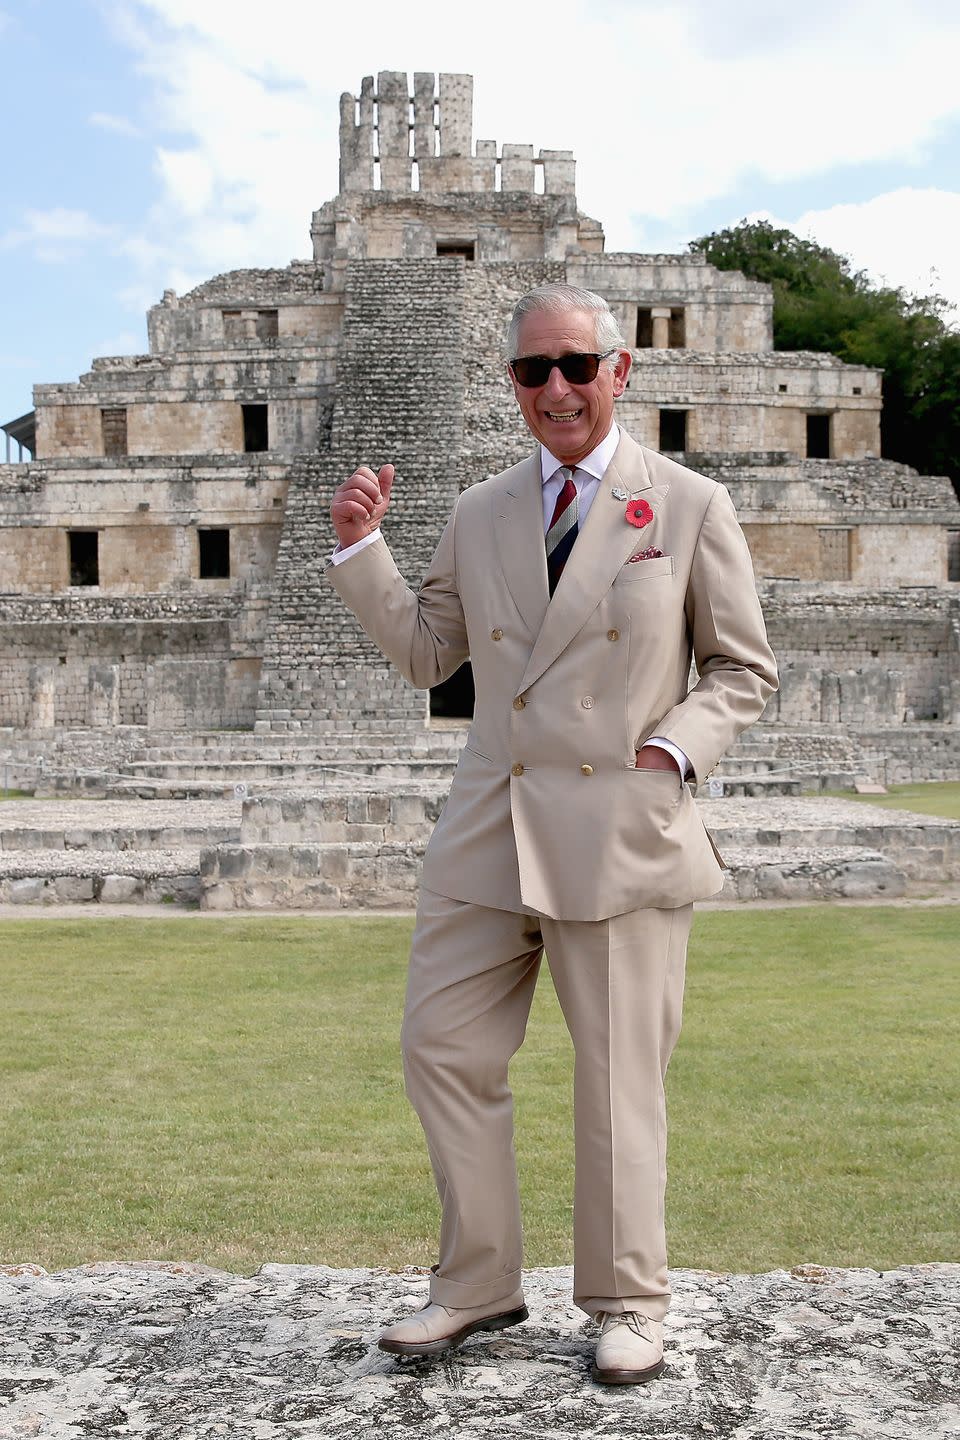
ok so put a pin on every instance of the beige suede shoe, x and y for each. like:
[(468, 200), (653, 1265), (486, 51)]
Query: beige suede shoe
[(436, 1328), (630, 1349)]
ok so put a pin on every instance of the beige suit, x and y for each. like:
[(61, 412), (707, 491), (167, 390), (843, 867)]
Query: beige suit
[(551, 834)]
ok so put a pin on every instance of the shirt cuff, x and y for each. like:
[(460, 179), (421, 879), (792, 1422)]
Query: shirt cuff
[(339, 554), (685, 767)]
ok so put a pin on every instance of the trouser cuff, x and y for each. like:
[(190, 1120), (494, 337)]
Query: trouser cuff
[(654, 1307), (458, 1296)]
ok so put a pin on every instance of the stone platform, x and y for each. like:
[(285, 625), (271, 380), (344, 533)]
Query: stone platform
[(363, 847), (358, 843), (110, 851), (182, 1352)]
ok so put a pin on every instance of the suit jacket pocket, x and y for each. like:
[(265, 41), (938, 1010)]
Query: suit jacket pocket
[(645, 569)]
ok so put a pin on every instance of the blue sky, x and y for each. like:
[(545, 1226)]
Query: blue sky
[(151, 143)]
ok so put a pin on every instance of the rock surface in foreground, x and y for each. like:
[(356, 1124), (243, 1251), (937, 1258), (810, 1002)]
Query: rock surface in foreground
[(187, 1353)]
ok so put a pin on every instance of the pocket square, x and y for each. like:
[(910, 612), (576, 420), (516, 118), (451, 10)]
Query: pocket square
[(652, 553)]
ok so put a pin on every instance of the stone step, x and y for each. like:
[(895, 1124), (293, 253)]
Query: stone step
[(224, 773), (370, 874), (757, 785), (805, 872), (51, 877), (120, 839)]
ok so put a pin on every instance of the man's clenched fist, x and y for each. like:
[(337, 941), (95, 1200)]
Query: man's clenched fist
[(360, 503)]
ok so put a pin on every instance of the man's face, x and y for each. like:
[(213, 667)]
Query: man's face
[(570, 420)]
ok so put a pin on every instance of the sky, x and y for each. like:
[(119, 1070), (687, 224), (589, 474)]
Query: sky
[(150, 144)]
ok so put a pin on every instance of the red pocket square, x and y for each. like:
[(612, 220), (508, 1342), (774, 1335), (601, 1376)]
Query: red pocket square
[(650, 554)]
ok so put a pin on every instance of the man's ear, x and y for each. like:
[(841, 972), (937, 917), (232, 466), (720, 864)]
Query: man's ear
[(621, 371)]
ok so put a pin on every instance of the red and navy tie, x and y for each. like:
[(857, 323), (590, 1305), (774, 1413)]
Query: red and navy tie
[(562, 531)]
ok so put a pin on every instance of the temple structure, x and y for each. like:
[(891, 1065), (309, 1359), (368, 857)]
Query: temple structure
[(162, 550)]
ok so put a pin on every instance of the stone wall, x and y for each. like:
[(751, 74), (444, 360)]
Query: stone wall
[(861, 658), (722, 309), (147, 514), (165, 661)]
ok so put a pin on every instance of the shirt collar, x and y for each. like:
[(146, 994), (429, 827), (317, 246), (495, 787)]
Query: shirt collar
[(594, 464)]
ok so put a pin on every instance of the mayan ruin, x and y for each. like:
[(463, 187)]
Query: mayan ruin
[(166, 631)]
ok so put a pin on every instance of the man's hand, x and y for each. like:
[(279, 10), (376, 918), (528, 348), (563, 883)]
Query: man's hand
[(651, 757), (360, 503)]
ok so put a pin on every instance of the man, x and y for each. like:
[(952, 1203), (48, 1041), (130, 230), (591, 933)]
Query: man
[(579, 582)]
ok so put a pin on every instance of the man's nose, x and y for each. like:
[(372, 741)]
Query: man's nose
[(555, 385)]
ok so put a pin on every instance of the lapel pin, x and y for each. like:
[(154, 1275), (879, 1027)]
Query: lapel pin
[(619, 493)]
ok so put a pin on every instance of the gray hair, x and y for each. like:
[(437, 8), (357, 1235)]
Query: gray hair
[(559, 298)]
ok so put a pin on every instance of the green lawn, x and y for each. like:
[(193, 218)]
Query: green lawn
[(229, 1091), (933, 797)]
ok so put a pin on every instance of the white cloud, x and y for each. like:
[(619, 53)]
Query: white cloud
[(666, 108), (881, 236), (54, 235), (117, 124)]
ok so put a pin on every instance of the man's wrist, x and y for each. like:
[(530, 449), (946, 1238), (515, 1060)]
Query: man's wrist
[(344, 552), (678, 756)]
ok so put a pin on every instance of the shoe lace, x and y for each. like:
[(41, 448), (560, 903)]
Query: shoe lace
[(639, 1324)]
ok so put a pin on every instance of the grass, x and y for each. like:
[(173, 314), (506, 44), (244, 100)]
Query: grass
[(934, 797), (230, 1091)]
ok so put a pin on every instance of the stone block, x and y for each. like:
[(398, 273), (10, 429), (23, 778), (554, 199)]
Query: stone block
[(73, 889), (120, 889), (218, 897), (234, 861), (32, 891)]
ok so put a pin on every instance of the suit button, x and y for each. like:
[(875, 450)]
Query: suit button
[(586, 769), (588, 702), (519, 703), (517, 770), (613, 634), (496, 634)]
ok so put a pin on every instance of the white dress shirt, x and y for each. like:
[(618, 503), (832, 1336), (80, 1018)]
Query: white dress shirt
[(587, 477)]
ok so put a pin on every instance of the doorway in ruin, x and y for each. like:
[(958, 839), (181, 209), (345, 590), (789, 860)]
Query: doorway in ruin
[(455, 697)]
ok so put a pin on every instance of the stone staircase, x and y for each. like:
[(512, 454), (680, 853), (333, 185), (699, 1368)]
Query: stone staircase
[(363, 846), (108, 850)]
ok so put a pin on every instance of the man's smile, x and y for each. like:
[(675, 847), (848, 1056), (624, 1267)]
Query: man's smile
[(563, 417)]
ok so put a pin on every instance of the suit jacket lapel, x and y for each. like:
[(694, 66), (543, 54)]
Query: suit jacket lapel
[(601, 549), (518, 527)]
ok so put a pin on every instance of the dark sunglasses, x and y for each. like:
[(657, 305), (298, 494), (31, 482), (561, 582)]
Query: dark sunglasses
[(576, 369)]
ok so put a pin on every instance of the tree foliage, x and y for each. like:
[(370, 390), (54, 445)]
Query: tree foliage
[(821, 303)]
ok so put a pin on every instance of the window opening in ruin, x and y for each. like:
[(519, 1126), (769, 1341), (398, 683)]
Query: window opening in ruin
[(857, 390), (84, 557), (113, 421), (818, 437), (782, 389), (414, 175), (453, 699), (835, 551), (232, 325), (673, 429), (268, 324), (953, 554), (214, 549), (466, 248), (256, 434), (676, 336)]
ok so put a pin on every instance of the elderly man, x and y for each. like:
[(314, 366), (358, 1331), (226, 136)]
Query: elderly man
[(579, 583)]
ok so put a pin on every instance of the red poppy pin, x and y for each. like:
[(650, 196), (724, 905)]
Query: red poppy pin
[(639, 513)]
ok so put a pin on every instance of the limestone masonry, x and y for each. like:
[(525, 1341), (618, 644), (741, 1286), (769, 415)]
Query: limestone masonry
[(162, 550)]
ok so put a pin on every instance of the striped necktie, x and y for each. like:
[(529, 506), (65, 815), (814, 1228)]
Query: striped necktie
[(562, 531)]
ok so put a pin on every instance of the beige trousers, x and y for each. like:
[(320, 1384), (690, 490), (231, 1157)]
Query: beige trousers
[(620, 985)]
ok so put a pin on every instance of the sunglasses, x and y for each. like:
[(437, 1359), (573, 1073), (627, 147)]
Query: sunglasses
[(577, 369)]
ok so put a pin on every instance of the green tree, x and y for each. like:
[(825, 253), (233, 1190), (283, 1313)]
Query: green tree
[(820, 303)]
